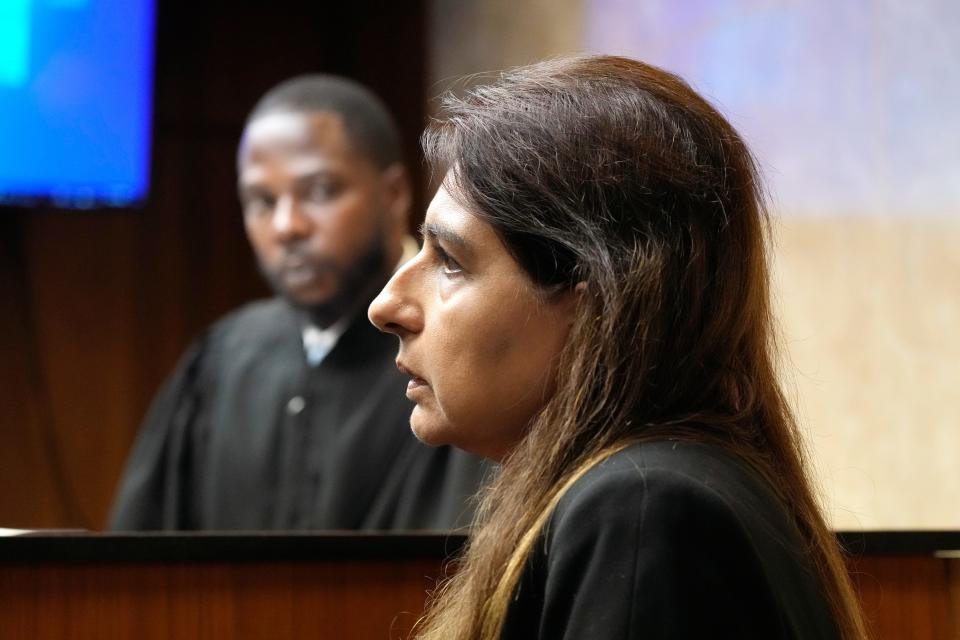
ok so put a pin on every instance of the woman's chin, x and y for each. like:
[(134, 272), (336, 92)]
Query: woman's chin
[(435, 431), (426, 429)]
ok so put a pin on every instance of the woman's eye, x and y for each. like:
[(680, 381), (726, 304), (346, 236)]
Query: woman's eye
[(450, 266)]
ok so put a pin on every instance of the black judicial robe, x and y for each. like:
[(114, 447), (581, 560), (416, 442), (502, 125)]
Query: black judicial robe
[(669, 540), (246, 435)]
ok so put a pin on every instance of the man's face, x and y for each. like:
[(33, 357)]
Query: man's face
[(324, 221)]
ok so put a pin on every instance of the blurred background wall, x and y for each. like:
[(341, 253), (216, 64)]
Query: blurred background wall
[(852, 112)]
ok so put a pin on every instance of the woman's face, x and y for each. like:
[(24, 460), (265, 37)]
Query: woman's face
[(478, 339)]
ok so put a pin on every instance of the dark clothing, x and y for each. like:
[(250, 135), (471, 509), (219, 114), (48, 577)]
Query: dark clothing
[(246, 435), (669, 540)]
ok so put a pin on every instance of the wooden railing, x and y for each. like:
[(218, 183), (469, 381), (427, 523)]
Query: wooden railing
[(306, 586)]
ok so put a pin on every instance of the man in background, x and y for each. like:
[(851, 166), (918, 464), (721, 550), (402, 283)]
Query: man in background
[(289, 413)]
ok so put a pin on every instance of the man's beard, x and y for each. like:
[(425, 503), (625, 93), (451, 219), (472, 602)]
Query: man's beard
[(357, 284)]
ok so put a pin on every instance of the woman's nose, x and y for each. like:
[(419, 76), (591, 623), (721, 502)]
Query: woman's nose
[(396, 309)]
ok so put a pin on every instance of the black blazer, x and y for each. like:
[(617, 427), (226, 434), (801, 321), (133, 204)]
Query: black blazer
[(669, 540)]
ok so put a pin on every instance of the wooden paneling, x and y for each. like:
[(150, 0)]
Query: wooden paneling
[(97, 305), (216, 601), (908, 598), (29, 475), (905, 598)]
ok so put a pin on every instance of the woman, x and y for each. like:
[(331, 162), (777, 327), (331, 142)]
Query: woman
[(591, 309)]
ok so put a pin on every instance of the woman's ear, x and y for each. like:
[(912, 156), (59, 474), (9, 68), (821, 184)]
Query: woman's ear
[(567, 300), (578, 293)]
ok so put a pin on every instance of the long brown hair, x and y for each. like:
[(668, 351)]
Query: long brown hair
[(616, 176)]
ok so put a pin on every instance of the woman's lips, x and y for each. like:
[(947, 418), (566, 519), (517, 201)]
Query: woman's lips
[(416, 382)]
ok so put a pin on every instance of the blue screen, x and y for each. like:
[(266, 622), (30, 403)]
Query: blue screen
[(76, 85)]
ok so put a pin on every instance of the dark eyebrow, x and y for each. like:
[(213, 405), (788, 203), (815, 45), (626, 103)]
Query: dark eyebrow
[(445, 235)]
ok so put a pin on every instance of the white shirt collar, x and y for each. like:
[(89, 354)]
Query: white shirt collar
[(317, 343)]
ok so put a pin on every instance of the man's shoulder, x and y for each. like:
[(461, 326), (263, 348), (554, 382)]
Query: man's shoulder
[(262, 326), (253, 323), (264, 315)]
